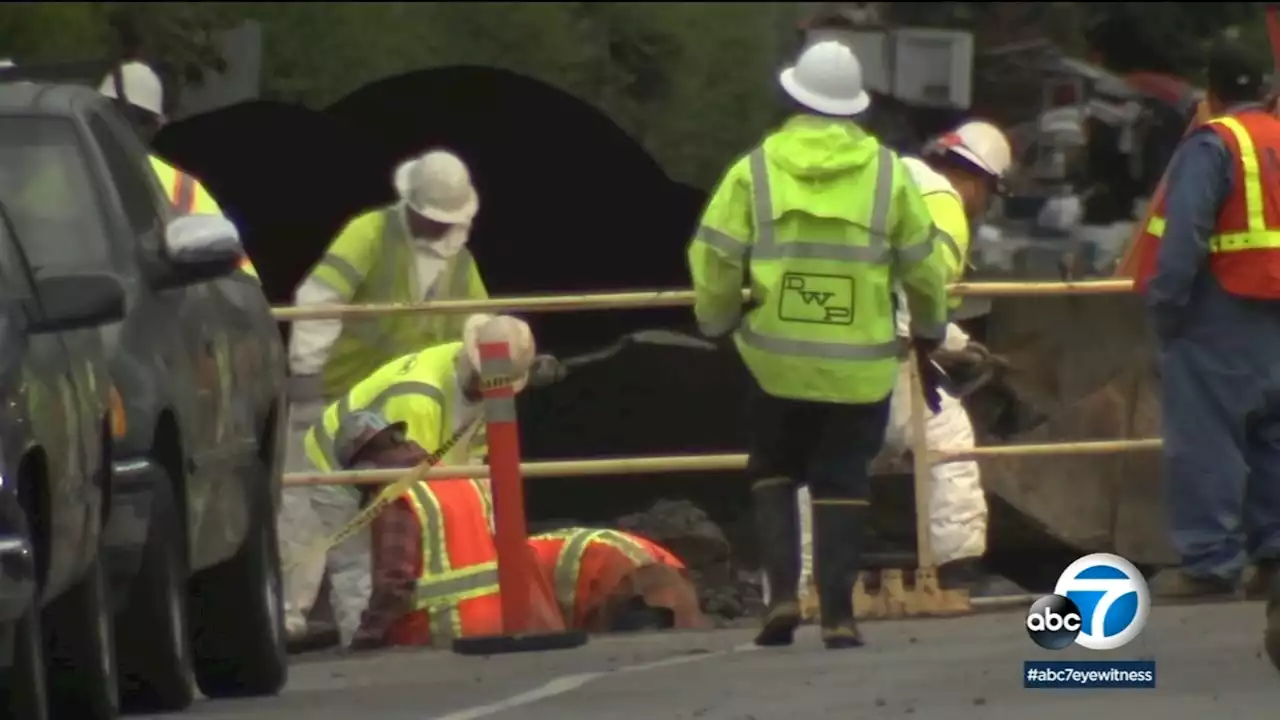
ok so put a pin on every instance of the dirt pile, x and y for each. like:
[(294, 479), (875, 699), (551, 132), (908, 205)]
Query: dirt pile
[(725, 590)]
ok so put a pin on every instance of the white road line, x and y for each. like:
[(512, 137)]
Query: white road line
[(569, 683)]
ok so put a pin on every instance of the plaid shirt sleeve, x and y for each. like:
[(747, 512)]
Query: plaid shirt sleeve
[(397, 557)]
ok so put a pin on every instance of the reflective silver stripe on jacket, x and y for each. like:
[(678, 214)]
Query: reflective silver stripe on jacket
[(766, 247), (569, 559), (344, 269)]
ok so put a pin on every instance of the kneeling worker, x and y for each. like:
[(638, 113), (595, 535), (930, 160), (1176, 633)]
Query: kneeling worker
[(609, 580), (436, 393), (435, 572)]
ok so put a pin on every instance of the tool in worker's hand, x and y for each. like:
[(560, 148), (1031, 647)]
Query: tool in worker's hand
[(665, 338)]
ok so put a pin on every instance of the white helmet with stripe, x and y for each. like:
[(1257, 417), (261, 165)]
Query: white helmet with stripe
[(980, 143)]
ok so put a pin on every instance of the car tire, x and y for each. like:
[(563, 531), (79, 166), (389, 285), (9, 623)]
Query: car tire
[(153, 634), (238, 615), (79, 649), (23, 695)]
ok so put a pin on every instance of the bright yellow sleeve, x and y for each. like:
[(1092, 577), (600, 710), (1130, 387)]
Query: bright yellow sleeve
[(716, 253), (919, 264), (351, 255), (953, 230)]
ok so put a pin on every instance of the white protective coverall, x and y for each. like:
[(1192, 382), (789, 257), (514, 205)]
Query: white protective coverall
[(957, 505), (309, 514)]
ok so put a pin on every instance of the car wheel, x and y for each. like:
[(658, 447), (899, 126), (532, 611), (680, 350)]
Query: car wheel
[(153, 639), (80, 653), (22, 684), (238, 614)]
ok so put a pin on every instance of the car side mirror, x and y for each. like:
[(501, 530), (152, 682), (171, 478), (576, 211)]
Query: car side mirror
[(200, 247), (71, 301)]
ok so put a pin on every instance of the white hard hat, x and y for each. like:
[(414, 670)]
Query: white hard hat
[(980, 143), (827, 77), (142, 87), (501, 328), (438, 186)]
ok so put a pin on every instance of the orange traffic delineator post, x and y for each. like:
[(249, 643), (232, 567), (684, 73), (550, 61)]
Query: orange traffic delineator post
[(531, 618)]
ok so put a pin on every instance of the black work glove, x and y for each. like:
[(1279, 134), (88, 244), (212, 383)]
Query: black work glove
[(930, 377)]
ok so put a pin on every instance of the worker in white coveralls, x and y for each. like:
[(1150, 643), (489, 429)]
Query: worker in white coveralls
[(436, 393), (414, 250), (958, 176)]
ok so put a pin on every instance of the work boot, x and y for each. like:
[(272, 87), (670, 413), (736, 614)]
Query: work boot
[(1175, 585), (777, 529), (971, 574), (1271, 638), (1258, 578), (837, 554)]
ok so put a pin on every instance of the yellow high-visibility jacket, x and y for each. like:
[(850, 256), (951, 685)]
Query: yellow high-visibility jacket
[(371, 262), (822, 221)]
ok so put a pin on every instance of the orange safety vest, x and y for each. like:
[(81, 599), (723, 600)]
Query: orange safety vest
[(585, 565), (1244, 251), (457, 589)]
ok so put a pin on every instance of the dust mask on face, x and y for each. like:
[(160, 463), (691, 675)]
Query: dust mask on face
[(445, 245)]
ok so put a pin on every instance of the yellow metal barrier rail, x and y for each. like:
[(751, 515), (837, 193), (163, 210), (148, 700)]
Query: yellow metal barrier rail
[(660, 298)]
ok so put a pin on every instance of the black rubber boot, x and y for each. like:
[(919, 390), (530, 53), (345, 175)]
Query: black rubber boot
[(837, 554), (778, 532)]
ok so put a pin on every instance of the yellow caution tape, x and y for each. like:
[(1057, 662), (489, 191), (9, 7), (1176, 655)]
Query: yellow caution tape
[(392, 492)]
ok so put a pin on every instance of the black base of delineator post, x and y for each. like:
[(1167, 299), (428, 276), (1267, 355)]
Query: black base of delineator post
[(503, 644)]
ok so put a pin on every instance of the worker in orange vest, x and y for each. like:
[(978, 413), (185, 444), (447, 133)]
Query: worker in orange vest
[(1213, 297), (611, 580), (440, 532)]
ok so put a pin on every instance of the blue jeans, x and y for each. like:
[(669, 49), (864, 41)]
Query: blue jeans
[(1221, 425)]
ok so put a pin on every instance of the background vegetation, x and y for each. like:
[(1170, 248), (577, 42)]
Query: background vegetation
[(692, 81)]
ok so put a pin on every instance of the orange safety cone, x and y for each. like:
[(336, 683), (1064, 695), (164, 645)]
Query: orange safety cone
[(529, 617)]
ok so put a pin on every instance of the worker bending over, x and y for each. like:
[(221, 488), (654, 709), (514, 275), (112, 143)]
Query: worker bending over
[(139, 94), (609, 580), (436, 393), (435, 569), (1214, 303), (820, 221), (958, 177), (412, 251)]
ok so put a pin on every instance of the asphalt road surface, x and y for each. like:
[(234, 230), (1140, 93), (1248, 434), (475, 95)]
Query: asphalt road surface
[(1209, 665)]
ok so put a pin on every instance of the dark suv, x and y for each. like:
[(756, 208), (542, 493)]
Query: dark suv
[(54, 484), (197, 451)]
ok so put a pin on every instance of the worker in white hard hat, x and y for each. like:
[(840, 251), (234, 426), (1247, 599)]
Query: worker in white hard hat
[(414, 250), (435, 392), (139, 93), (821, 221), (959, 175)]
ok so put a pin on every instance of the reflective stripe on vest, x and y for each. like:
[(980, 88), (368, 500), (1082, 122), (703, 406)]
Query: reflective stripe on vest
[(569, 559), (441, 588), (1256, 236), (183, 192), (767, 247)]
